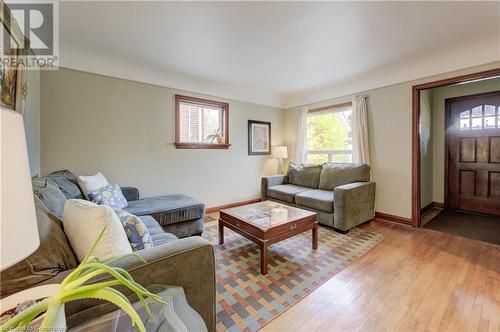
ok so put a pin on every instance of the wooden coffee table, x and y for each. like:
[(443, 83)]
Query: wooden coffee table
[(266, 223)]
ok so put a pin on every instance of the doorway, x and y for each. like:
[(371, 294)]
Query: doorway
[(417, 202), (473, 153)]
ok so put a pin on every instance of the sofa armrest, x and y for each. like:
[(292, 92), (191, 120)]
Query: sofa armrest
[(353, 204), (130, 193), (188, 263), (269, 181)]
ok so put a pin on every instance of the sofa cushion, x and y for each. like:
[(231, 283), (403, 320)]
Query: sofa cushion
[(316, 199), (110, 195), (168, 209), (304, 175), (49, 193), (52, 256), (83, 222), (137, 233), (157, 233), (91, 183), (334, 175), (69, 189), (285, 192)]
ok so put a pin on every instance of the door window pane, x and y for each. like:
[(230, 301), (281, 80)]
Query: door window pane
[(489, 110), (489, 122), (464, 124), (477, 111), (477, 123), (465, 114)]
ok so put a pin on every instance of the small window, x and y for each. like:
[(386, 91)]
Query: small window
[(478, 120), (201, 123)]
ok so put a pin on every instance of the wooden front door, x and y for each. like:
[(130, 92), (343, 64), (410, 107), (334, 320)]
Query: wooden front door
[(473, 140)]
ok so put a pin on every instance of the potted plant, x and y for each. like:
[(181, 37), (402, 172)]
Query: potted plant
[(75, 287), (217, 136)]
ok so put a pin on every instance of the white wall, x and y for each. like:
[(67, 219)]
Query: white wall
[(32, 120), (390, 133), (125, 129)]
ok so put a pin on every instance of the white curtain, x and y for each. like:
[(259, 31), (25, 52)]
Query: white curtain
[(301, 130), (360, 143)]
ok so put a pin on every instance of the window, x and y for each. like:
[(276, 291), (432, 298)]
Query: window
[(480, 117), (201, 124), (329, 136)]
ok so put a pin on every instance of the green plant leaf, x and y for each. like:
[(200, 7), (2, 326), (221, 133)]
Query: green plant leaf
[(110, 295)]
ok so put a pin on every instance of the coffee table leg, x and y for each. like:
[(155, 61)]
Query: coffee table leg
[(315, 237), (263, 259), (221, 233)]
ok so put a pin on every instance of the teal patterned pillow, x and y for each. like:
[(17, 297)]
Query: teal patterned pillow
[(110, 195), (137, 232)]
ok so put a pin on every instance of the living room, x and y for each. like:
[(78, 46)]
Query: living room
[(267, 160)]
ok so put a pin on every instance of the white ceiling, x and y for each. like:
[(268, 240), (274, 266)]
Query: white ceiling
[(277, 53)]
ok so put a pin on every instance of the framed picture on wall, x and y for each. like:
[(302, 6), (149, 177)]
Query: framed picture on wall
[(259, 137), (13, 50)]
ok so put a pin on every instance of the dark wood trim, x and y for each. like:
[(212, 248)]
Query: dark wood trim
[(415, 210), (250, 152), (201, 146), (330, 107), (431, 206), (200, 101), (231, 205), (426, 208), (439, 205), (392, 218)]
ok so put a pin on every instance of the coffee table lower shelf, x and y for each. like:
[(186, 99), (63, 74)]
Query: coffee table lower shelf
[(268, 238)]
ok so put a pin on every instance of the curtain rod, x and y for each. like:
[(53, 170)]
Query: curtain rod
[(329, 107)]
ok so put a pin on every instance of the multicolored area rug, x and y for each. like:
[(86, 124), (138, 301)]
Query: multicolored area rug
[(247, 300)]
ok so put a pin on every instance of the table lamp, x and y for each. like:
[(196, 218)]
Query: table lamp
[(280, 152), (18, 226)]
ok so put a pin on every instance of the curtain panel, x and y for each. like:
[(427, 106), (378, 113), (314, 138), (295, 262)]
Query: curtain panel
[(360, 141), (301, 130)]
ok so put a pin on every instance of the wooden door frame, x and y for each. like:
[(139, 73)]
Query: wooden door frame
[(415, 165)]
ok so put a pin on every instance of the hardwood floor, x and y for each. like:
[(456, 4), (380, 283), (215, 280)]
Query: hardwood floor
[(415, 280)]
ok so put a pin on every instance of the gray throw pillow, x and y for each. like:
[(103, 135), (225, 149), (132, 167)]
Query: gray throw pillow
[(304, 175), (110, 195), (67, 182), (50, 195)]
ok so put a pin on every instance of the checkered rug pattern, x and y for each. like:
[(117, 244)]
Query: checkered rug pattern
[(247, 300)]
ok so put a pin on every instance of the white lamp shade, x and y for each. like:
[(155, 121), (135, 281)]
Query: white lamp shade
[(18, 226), (280, 152)]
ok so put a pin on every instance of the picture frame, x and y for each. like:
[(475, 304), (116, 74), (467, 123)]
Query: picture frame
[(13, 79), (259, 137)]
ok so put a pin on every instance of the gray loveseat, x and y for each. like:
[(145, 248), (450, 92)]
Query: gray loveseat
[(341, 194), (177, 214), (188, 262)]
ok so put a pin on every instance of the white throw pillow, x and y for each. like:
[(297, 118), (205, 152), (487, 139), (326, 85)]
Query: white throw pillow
[(83, 221), (91, 183)]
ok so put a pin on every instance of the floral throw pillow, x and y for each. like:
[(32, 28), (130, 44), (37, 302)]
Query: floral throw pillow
[(110, 195), (137, 232)]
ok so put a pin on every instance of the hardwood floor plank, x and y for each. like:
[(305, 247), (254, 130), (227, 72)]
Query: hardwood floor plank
[(415, 279)]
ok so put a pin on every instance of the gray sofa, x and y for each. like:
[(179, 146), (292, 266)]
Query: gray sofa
[(188, 262), (341, 194), (177, 214)]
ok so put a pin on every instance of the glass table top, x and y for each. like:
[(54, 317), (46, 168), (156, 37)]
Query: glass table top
[(267, 214)]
